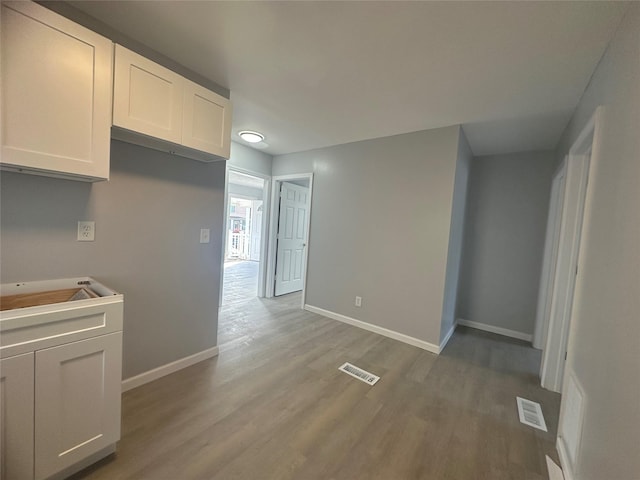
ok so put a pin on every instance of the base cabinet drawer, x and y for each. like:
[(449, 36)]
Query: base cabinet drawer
[(77, 401)]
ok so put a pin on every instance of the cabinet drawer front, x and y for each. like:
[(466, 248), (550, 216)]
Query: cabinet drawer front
[(206, 120), (28, 332), (57, 92), (77, 401), (147, 97), (16, 417)]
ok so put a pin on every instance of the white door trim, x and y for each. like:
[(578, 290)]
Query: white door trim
[(262, 268), (273, 231), (550, 257), (575, 194)]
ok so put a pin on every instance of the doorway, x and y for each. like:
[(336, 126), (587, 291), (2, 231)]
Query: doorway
[(289, 232), (560, 263), (244, 248)]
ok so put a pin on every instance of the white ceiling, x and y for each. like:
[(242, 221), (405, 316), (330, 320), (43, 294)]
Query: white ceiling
[(313, 74)]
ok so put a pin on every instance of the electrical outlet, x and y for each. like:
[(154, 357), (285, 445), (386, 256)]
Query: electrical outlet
[(86, 231), (204, 235), (358, 301)]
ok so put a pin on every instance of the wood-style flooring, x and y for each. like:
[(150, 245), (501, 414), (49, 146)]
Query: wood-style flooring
[(273, 405), (240, 281)]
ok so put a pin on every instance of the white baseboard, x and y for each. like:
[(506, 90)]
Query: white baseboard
[(430, 347), (172, 367), (527, 337), (564, 460), (447, 337)]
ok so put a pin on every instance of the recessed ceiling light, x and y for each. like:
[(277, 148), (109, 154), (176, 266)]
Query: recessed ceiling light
[(251, 137)]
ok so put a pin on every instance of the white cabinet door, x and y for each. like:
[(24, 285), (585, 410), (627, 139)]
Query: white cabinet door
[(77, 401), (147, 97), (292, 238), (56, 94), (16, 417), (206, 122)]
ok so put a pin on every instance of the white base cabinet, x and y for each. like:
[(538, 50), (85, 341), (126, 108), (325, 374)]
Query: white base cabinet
[(56, 95), (77, 401), (16, 417), (60, 389)]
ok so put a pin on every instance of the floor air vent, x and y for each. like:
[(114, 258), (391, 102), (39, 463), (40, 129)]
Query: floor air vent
[(360, 374), (531, 414)]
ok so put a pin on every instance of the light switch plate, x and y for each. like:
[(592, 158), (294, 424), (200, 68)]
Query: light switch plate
[(86, 231), (204, 235)]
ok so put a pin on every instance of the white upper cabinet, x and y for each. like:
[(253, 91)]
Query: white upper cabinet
[(166, 107), (147, 97), (206, 123), (56, 95)]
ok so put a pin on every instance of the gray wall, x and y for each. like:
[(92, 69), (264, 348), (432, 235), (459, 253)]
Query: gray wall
[(454, 255), (380, 218), (148, 219), (303, 162), (507, 211), (604, 351), (246, 158)]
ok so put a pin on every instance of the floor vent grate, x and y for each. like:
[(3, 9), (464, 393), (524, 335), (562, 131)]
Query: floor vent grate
[(358, 373), (531, 414)]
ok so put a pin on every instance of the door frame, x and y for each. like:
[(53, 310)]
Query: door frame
[(276, 180), (262, 267), (578, 162)]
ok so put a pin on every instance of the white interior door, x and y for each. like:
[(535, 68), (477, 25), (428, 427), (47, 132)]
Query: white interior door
[(549, 261), (292, 238), (565, 271)]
